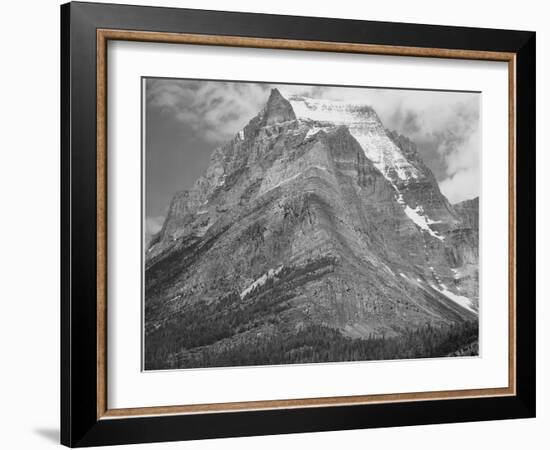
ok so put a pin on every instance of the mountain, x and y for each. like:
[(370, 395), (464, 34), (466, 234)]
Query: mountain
[(315, 234)]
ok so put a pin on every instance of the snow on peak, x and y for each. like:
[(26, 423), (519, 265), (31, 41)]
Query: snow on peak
[(334, 111), (365, 126)]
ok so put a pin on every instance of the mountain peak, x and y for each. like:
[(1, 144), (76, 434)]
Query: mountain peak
[(274, 94), (277, 109)]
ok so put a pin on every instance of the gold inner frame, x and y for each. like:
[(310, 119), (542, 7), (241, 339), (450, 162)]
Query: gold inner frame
[(104, 35)]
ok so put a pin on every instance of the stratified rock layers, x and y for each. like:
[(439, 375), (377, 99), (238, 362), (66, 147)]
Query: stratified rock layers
[(301, 223)]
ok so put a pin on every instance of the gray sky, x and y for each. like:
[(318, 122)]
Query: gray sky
[(187, 119)]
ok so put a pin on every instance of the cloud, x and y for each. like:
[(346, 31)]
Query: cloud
[(463, 185), (458, 144), (215, 109), (152, 226)]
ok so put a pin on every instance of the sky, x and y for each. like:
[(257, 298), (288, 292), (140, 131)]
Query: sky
[(185, 120)]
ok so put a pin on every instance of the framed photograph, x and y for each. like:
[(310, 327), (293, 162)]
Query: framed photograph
[(276, 224)]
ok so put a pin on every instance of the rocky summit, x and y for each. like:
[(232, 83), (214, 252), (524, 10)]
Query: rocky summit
[(314, 235)]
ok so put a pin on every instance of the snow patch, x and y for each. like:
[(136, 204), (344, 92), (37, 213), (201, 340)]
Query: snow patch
[(387, 268), (261, 281), (409, 279), (319, 167), (417, 215), (314, 130), (465, 302), (424, 222)]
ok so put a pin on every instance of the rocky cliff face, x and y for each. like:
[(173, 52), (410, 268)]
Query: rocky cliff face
[(465, 259), (314, 217)]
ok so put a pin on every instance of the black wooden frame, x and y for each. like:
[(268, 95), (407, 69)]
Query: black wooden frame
[(79, 423)]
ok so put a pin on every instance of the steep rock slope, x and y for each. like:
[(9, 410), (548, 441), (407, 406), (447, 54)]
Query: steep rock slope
[(466, 260), (305, 220)]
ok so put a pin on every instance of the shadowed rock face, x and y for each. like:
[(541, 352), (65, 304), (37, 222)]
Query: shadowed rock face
[(465, 239), (277, 110), (293, 225)]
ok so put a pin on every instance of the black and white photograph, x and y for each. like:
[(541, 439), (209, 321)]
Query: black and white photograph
[(306, 224), (275, 225)]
